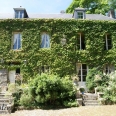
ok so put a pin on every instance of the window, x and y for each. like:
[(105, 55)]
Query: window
[(108, 68), (17, 40), (81, 41), (44, 69), (19, 14), (18, 71), (80, 15), (108, 42), (45, 40), (82, 70)]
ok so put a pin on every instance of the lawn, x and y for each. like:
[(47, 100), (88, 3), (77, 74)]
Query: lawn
[(108, 110)]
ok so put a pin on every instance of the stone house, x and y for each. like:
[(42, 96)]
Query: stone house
[(22, 17)]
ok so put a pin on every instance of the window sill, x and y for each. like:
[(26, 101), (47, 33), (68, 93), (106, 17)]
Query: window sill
[(16, 50)]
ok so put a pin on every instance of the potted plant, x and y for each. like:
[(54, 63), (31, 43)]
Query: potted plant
[(82, 90)]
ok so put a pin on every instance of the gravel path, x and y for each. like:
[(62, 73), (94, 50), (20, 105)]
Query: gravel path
[(80, 111)]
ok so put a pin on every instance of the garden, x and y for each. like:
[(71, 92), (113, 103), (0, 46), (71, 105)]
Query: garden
[(44, 91), (47, 91)]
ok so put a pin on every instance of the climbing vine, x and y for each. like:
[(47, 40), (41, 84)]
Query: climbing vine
[(61, 59)]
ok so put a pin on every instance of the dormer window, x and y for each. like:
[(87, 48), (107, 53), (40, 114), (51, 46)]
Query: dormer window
[(79, 13), (20, 13)]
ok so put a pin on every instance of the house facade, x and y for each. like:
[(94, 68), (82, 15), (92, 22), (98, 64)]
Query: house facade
[(64, 44)]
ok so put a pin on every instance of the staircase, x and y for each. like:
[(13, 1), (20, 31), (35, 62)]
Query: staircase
[(89, 99), (6, 103)]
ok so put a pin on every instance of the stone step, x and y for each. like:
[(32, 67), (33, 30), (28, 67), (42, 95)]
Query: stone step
[(91, 104), (6, 100), (91, 101), (4, 112), (4, 95), (6, 103), (90, 97)]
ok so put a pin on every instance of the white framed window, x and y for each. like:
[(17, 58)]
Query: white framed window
[(82, 70), (108, 42), (108, 68), (45, 40), (81, 41), (80, 15), (19, 14), (17, 38)]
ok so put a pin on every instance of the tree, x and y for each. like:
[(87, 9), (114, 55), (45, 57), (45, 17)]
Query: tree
[(92, 6), (112, 4)]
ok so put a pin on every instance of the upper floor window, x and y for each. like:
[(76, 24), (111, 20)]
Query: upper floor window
[(45, 40), (19, 14), (81, 41), (80, 15), (108, 42), (17, 40)]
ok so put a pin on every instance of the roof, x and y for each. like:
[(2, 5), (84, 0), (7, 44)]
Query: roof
[(80, 9), (58, 16), (19, 8)]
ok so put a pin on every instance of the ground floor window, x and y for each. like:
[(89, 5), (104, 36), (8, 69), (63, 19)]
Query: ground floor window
[(82, 70), (44, 69), (108, 68)]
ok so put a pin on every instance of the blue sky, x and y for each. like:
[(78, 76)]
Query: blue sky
[(34, 6)]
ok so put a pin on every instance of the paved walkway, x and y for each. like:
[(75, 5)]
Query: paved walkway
[(81, 111)]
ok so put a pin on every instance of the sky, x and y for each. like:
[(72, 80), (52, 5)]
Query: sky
[(34, 6)]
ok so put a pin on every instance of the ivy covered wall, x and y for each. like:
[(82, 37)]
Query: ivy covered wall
[(61, 59)]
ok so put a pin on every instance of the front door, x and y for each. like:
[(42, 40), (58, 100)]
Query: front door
[(82, 73)]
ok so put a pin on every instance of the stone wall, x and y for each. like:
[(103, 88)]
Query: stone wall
[(3, 77)]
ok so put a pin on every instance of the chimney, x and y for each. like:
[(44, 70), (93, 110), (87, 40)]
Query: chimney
[(62, 11)]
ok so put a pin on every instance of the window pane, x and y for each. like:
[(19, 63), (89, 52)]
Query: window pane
[(45, 41), (21, 14), (108, 42), (81, 41), (80, 15), (17, 41), (16, 14), (79, 75), (84, 78)]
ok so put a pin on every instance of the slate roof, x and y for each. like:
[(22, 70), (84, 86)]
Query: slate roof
[(58, 16)]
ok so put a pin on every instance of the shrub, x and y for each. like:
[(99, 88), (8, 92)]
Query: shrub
[(95, 78), (90, 83), (110, 91), (26, 99), (50, 90)]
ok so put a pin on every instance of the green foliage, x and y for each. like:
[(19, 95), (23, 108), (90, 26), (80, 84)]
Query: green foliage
[(49, 90), (110, 90), (95, 78), (90, 79), (60, 59), (26, 100)]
